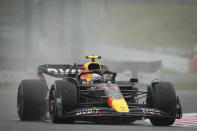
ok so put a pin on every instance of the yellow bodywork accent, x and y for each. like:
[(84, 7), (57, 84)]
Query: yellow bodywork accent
[(87, 64), (93, 57), (120, 105), (89, 76)]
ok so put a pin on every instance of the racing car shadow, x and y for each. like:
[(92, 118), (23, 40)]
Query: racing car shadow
[(85, 123), (100, 123), (135, 124), (111, 124), (140, 123)]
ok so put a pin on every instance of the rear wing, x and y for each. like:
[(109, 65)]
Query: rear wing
[(59, 71)]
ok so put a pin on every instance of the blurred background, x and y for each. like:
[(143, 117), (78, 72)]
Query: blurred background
[(147, 39)]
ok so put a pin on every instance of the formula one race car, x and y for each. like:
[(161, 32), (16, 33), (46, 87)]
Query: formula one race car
[(90, 92)]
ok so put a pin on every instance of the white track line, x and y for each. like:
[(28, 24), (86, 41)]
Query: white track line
[(188, 120)]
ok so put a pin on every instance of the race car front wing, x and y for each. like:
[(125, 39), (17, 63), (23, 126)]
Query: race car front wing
[(135, 112)]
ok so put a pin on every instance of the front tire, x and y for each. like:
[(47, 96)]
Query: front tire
[(66, 92), (162, 96)]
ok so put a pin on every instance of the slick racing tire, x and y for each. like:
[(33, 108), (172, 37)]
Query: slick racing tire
[(31, 102), (162, 96), (63, 95)]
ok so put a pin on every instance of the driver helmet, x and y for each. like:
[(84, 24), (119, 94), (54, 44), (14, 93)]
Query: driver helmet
[(90, 66)]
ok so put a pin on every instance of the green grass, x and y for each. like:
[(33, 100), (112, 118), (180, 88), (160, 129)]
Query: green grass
[(170, 72), (165, 25), (122, 23)]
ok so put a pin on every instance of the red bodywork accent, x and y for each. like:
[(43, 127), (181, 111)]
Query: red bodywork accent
[(83, 76), (41, 77), (109, 101), (95, 115), (107, 88), (50, 93), (146, 115), (115, 88)]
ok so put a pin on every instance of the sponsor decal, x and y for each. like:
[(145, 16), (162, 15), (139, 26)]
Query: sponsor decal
[(61, 71), (94, 110), (84, 82), (93, 88), (59, 100), (150, 111)]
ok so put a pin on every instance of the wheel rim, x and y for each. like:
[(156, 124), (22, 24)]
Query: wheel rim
[(52, 102)]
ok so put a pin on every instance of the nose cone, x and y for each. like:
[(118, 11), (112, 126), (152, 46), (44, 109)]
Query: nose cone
[(118, 105)]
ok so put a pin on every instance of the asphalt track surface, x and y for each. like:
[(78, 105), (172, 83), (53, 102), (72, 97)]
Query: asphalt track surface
[(9, 120)]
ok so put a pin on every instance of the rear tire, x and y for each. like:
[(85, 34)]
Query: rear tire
[(162, 96), (67, 92), (31, 102)]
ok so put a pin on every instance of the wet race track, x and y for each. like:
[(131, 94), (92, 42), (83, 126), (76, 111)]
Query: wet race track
[(9, 120)]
